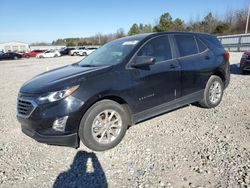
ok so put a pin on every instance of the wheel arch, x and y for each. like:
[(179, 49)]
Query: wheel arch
[(115, 98), (220, 74)]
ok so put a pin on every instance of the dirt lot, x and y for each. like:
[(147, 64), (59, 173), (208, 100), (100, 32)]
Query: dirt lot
[(189, 147)]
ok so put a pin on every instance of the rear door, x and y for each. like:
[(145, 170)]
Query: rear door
[(159, 83), (196, 62)]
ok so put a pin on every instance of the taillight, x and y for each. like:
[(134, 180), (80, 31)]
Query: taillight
[(227, 55)]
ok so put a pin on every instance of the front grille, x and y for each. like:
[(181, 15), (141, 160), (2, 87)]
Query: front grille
[(24, 107)]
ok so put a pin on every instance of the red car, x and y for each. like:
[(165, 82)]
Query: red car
[(33, 53)]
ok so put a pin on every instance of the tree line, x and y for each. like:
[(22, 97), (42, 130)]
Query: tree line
[(233, 22)]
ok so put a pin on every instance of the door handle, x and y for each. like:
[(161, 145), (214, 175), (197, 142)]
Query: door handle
[(173, 66), (207, 57)]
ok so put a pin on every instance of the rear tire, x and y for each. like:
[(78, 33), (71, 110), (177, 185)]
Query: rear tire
[(103, 125), (213, 92), (15, 58)]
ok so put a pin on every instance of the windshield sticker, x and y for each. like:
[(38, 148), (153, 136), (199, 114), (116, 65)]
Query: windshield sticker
[(133, 42)]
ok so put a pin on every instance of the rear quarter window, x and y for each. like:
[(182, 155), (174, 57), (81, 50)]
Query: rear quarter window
[(201, 46), (186, 45), (212, 40)]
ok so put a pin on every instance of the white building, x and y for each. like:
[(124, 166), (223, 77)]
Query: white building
[(14, 46), (47, 47)]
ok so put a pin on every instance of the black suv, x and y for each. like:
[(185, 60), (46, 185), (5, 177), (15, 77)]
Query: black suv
[(122, 83)]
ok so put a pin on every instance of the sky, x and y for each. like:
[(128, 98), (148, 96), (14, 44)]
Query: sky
[(47, 20)]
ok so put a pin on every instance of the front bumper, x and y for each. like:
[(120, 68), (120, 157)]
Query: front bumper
[(39, 123), (70, 140)]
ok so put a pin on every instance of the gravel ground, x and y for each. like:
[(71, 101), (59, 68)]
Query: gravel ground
[(189, 147)]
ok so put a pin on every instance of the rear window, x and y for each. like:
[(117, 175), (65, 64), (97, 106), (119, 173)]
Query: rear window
[(212, 39), (186, 45)]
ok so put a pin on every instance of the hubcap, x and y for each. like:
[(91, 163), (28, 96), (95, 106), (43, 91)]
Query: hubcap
[(106, 126), (215, 92)]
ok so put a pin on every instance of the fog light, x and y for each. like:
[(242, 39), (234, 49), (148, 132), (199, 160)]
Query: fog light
[(60, 123)]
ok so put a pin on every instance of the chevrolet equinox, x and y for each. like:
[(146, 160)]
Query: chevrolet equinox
[(124, 82)]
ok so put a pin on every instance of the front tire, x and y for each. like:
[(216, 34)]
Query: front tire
[(103, 125), (213, 92)]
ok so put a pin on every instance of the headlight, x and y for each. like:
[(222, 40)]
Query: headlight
[(57, 95)]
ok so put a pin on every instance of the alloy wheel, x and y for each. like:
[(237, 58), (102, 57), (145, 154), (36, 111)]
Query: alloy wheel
[(106, 126), (215, 92)]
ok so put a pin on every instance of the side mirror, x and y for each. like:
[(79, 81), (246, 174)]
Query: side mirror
[(141, 61)]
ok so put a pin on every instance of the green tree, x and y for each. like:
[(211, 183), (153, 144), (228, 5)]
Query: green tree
[(221, 28), (178, 25), (134, 30), (165, 23), (209, 23)]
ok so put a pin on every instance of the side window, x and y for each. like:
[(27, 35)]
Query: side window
[(159, 48), (202, 47), (186, 45)]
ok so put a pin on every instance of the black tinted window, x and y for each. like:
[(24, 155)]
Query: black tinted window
[(186, 45), (202, 47), (159, 48)]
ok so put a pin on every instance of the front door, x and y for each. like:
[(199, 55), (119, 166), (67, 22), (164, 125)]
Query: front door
[(159, 83)]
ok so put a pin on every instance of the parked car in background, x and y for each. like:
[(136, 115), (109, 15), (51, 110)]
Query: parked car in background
[(65, 51), (87, 51), (49, 53), (245, 62), (10, 55), (76, 51), (33, 53), (124, 82)]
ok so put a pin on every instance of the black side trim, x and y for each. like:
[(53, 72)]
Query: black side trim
[(165, 107), (70, 140)]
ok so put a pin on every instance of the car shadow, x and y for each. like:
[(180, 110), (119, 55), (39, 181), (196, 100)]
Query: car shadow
[(85, 171)]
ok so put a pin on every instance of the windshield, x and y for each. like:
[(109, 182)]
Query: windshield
[(111, 53)]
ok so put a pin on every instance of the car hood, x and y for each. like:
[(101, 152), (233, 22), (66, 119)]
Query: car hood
[(60, 78)]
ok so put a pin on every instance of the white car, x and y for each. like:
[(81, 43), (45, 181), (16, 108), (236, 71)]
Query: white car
[(87, 51), (76, 51), (49, 53)]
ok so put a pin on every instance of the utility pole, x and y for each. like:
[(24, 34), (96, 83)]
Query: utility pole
[(247, 19)]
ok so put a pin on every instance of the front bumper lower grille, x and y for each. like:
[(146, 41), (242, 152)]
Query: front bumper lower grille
[(25, 107)]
